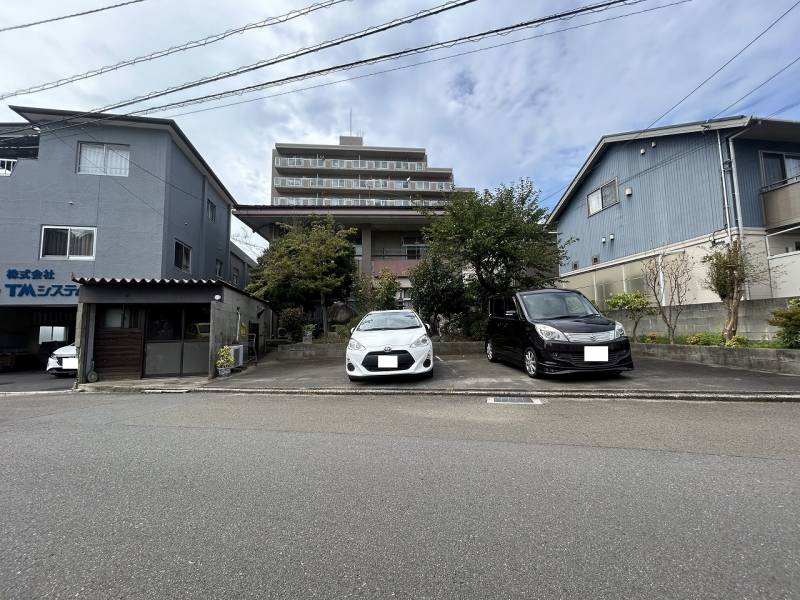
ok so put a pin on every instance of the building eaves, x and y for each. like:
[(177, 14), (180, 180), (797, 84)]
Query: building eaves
[(162, 282)]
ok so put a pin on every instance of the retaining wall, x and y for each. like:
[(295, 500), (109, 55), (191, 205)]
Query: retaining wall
[(754, 359), (303, 351)]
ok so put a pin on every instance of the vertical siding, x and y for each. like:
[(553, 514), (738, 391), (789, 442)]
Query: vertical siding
[(677, 195)]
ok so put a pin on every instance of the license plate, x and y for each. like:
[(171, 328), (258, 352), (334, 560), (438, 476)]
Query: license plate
[(69, 364), (387, 362), (595, 353)]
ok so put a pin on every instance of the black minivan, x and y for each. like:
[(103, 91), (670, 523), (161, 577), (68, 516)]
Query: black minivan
[(555, 331)]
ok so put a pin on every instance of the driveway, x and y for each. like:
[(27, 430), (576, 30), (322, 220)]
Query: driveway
[(33, 381), (475, 373)]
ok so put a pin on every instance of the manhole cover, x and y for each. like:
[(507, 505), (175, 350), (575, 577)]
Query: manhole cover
[(512, 400)]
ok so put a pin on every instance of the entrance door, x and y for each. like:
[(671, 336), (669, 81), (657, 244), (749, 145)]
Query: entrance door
[(118, 342), (176, 340)]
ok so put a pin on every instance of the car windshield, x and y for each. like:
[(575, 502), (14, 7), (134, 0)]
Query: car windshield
[(389, 320), (557, 305)]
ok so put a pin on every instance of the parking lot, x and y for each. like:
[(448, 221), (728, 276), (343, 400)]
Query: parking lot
[(33, 381), (474, 372)]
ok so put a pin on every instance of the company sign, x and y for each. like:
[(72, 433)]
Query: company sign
[(36, 286)]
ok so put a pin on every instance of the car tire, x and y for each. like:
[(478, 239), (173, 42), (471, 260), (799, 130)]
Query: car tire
[(429, 374), (531, 363), (490, 353), (353, 378)]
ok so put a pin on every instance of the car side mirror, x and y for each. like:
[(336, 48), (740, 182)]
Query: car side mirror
[(352, 330), (511, 314)]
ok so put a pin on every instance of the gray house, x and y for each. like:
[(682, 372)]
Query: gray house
[(99, 196), (684, 188)]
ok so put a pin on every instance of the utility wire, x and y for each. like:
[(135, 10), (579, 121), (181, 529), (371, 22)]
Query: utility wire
[(449, 5), (211, 39), (71, 16), (418, 50)]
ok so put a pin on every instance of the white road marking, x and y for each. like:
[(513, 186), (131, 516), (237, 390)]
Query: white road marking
[(493, 400), (437, 357)]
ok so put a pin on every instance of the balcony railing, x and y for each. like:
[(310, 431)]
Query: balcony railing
[(782, 203), (7, 166), (338, 163), (363, 184), (362, 202)]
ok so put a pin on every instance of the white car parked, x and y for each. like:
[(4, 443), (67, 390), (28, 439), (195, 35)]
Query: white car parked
[(389, 342), (63, 361)]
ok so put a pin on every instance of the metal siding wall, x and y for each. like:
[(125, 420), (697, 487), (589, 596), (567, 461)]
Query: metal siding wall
[(676, 200)]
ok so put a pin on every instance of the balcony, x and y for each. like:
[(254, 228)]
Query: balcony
[(782, 203), (346, 164), (358, 202), (399, 266), (400, 185), (7, 166)]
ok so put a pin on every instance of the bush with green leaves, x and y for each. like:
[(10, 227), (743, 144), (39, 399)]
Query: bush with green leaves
[(737, 341), (705, 338), (224, 358), (293, 319), (635, 304), (651, 338), (787, 320)]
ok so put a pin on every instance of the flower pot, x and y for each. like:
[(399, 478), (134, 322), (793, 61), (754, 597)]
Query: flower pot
[(223, 371)]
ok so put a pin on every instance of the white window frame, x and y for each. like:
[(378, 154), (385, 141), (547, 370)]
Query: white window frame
[(211, 210), (106, 147), (599, 189), (189, 268), (782, 182), (69, 229)]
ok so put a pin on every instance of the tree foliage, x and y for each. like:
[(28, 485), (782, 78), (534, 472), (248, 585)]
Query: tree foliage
[(500, 236), (375, 293), (635, 304), (437, 290), (788, 322), (310, 263)]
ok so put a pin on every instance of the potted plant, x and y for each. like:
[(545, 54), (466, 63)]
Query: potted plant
[(224, 361)]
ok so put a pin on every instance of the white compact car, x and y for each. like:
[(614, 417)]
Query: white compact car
[(389, 342), (63, 361)]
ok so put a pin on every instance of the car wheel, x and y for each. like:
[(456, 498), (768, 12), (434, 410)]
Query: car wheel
[(429, 374), (490, 354), (353, 378), (531, 363)]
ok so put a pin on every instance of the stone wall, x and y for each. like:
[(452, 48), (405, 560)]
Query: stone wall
[(697, 318)]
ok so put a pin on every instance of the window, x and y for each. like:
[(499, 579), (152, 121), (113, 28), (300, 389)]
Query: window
[(103, 159), (211, 210), (218, 267), (114, 317), (235, 275), (68, 243), (779, 168), (183, 256), (603, 197), (414, 247), (52, 333)]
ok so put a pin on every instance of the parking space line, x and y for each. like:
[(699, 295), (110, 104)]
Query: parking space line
[(513, 400), (437, 357)]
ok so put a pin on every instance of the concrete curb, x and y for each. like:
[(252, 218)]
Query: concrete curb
[(605, 395)]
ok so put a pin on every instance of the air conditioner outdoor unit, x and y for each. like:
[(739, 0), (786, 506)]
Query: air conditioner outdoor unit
[(239, 355)]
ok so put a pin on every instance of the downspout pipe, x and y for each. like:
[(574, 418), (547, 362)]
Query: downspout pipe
[(724, 178), (737, 195)]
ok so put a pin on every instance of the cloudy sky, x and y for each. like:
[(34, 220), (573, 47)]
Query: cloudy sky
[(530, 109)]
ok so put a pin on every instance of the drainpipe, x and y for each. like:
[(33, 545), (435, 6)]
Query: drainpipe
[(724, 188), (738, 198)]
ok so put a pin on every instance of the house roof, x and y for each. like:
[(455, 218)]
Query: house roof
[(39, 115), (241, 253), (607, 140), (162, 282)]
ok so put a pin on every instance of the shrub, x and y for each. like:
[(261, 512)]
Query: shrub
[(635, 304), (651, 338), (705, 339), (737, 341), (787, 320), (292, 319), (224, 358)]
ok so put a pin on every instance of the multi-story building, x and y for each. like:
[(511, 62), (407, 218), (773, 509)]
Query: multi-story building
[(376, 189), (685, 188), (100, 196)]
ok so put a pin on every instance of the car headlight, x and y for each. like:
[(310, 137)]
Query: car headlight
[(423, 340), (550, 334), (355, 345), (619, 330)]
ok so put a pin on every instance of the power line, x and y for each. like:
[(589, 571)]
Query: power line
[(70, 16), (433, 60), (449, 5), (593, 8), (211, 39)]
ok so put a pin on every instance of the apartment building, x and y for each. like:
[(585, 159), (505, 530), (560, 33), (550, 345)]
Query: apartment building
[(376, 189), (685, 188), (99, 198)]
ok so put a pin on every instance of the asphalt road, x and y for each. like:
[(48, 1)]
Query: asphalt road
[(246, 496), (28, 381)]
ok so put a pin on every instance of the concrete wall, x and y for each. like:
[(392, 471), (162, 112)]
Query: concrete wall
[(699, 318), (127, 211), (770, 360), (224, 319)]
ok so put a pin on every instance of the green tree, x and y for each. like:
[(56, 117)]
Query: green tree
[(729, 270), (500, 236), (635, 304), (437, 290), (311, 262), (788, 322), (386, 288)]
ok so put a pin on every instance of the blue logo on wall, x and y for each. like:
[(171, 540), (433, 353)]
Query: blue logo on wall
[(26, 289)]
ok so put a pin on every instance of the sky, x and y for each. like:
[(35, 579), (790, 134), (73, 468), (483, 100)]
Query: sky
[(531, 109)]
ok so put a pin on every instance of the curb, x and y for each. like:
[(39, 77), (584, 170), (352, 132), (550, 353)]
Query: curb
[(604, 395)]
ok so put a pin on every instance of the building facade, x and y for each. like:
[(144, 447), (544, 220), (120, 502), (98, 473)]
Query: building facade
[(376, 189), (685, 189), (99, 196)]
